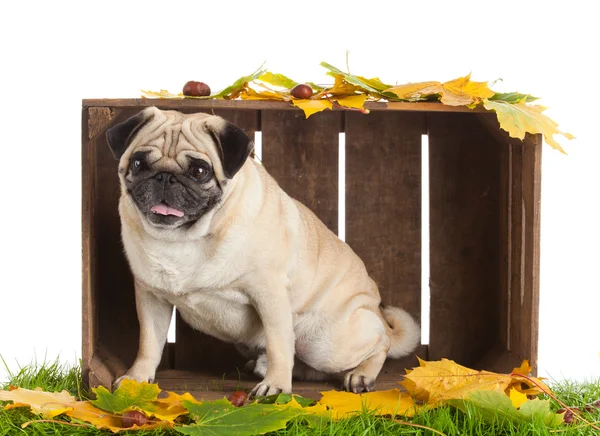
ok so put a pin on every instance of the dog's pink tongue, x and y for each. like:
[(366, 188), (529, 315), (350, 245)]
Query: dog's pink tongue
[(163, 209)]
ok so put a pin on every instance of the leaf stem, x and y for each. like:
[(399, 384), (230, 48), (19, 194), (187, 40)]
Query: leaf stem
[(54, 421), (424, 427), (551, 395)]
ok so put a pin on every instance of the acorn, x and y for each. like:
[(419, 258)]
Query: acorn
[(302, 91), (238, 398), (196, 89), (134, 417)]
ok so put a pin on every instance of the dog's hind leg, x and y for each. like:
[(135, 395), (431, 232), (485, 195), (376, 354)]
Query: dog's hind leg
[(362, 378)]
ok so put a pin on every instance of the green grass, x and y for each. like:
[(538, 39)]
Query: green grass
[(54, 376)]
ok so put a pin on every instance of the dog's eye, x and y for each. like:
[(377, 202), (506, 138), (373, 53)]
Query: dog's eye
[(137, 164), (201, 172)]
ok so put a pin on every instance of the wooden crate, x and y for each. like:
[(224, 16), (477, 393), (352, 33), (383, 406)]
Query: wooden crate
[(484, 231)]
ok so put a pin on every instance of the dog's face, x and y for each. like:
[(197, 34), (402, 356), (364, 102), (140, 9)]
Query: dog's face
[(176, 167)]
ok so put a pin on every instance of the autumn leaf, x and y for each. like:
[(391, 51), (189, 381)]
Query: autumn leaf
[(520, 118), (235, 88), (513, 97), (390, 402), (277, 80), (355, 101), (494, 405), (130, 393), (86, 411), (222, 418), (264, 94), (47, 404), (517, 398), (416, 91), (464, 92), (368, 85), (312, 106), (438, 382)]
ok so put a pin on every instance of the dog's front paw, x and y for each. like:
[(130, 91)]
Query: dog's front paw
[(265, 388), (139, 379), (357, 383)]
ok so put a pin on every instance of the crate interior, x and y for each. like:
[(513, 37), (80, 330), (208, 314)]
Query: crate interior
[(472, 181)]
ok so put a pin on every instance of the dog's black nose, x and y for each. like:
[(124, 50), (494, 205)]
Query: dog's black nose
[(166, 177)]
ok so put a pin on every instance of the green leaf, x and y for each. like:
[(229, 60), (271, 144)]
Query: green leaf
[(277, 80), (513, 97), (315, 86), (285, 399), (367, 85), (221, 418), (239, 84), (495, 405), (129, 394)]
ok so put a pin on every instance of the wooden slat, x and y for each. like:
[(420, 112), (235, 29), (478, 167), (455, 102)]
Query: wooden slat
[(270, 105), (383, 201), (192, 349), (88, 316), (525, 248), (302, 155), (465, 250)]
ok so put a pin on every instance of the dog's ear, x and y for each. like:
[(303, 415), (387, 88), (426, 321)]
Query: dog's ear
[(233, 144), (119, 137)]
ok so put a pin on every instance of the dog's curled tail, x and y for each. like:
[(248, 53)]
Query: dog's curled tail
[(405, 333)]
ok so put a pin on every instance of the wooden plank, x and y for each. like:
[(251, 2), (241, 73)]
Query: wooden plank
[(383, 201), (302, 155), (192, 349), (273, 105), (465, 252), (88, 316), (525, 246)]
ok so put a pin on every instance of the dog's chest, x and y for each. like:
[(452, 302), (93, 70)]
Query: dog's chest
[(182, 268)]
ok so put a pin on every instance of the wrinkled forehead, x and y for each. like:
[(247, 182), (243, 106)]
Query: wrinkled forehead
[(171, 133)]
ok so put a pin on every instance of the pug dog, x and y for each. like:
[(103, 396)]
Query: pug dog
[(206, 229)]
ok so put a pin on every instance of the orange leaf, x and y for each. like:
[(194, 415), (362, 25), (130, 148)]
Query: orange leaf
[(85, 411)]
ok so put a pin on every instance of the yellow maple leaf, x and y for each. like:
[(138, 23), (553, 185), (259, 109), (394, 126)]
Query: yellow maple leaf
[(48, 404), (416, 91), (517, 398), (520, 118), (263, 94), (390, 402), (86, 411), (438, 382), (463, 92), (312, 106), (354, 101)]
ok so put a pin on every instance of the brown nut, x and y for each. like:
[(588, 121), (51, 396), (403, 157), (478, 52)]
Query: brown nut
[(196, 89), (302, 91), (133, 417), (238, 398)]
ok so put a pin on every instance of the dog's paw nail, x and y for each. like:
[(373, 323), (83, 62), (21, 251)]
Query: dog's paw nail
[(358, 383)]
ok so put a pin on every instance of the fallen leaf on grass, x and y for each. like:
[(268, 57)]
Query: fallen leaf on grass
[(391, 402), (85, 411), (222, 418), (438, 382), (47, 404), (494, 405)]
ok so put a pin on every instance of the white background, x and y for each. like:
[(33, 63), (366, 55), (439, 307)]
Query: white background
[(56, 53)]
